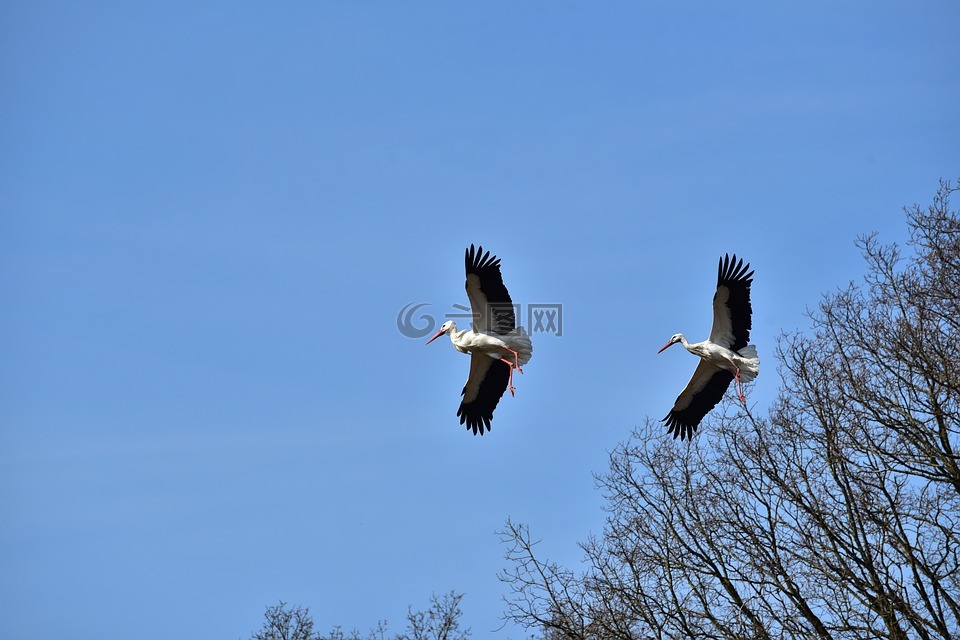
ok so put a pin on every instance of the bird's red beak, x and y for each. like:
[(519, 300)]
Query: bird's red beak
[(435, 336), (670, 342)]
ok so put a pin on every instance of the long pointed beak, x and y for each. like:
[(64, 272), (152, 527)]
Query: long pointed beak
[(435, 336), (670, 342)]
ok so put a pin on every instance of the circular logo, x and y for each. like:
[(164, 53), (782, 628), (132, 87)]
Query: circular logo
[(406, 321)]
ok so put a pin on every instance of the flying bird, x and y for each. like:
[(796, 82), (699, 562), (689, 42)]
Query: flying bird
[(724, 356), (495, 344)]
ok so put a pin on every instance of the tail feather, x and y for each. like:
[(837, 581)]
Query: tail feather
[(750, 367), (519, 341)]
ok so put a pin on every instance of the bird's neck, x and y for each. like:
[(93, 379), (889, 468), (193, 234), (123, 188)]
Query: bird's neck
[(701, 349)]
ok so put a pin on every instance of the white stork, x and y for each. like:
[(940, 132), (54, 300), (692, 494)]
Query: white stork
[(495, 344), (725, 356)]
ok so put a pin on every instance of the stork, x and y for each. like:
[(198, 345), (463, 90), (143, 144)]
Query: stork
[(495, 344), (724, 356)]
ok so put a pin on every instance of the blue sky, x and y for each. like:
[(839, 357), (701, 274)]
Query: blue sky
[(212, 214)]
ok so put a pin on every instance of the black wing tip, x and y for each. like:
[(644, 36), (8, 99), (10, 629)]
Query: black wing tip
[(476, 423), (677, 428), (475, 259), (477, 415), (732, 270), (684, 422)]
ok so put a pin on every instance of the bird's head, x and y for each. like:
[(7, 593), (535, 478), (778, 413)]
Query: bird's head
[(674, 339), (446, 327)]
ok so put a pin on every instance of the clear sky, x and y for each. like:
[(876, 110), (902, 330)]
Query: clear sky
[(212, 214)]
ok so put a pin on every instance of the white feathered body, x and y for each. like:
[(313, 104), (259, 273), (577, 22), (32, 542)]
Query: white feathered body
[(494, 345), (746, 359)]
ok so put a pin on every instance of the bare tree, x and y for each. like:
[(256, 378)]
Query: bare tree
[(441, 621), (835, 516), (281, 623)]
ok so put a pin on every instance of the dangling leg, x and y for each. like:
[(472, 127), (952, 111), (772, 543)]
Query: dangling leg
[(736, 376), (516, 359), (510, 364)]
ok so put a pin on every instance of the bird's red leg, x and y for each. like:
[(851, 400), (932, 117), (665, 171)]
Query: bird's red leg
[(743, 398), (510, 364), (516, 359)]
